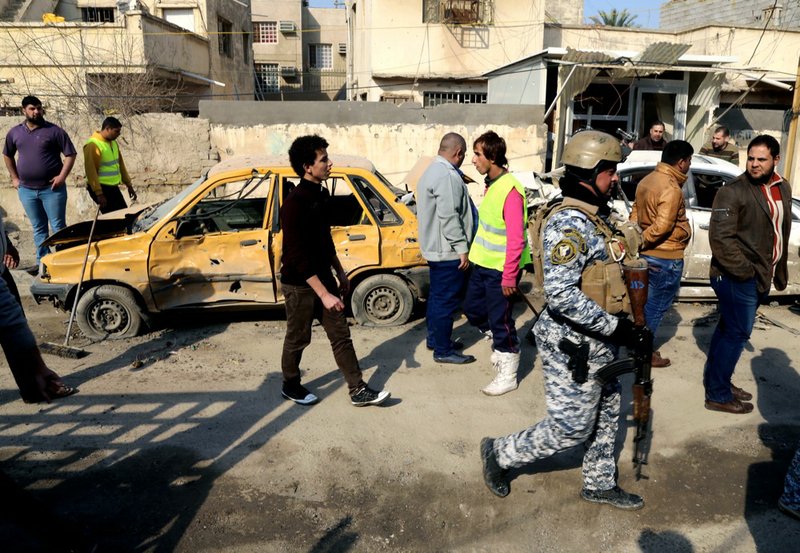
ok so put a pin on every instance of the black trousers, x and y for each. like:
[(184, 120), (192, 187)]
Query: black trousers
[(114, 198)]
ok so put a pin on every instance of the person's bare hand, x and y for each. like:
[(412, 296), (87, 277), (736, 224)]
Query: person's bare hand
[(464, 261), (509, 291), (15, 182), (332, 303), (102, 202), (11, 258), (57, 181)]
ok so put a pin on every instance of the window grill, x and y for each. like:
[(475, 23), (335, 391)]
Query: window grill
[(431, 99), (265, 32), (319, 57), (97, 15), (267, 78)]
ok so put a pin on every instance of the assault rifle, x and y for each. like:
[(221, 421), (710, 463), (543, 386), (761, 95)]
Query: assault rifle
[(636, 282)]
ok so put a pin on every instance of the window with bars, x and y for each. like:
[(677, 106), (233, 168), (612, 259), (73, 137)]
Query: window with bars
[(431, 99), (457, 12), (265, 32), (97, 15), (224, 30), (319, 57), (267, 78)]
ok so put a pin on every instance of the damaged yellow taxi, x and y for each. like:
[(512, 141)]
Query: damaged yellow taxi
[(217, 244)]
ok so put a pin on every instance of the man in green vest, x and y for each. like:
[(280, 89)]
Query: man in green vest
[(498, 253), (105, 170)]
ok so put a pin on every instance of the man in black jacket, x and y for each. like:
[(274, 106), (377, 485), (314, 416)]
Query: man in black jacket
[(749, 235), (309, 287)]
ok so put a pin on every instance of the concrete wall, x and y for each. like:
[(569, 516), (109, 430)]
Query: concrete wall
[(680, 14), (162, 152), (393, 137), (567, 12), (165, 152)]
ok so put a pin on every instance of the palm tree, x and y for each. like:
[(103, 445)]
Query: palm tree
[(614, 18)]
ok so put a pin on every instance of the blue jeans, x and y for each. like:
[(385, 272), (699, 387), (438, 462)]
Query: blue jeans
[(664, 277), (488, 309), (444, 298), (46, 209), (738, 302)]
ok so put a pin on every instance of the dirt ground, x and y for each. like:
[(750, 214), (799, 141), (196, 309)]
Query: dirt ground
[(179, 441)]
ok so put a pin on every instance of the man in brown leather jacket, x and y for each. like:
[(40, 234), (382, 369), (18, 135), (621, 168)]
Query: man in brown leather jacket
[(749, 235), (660, 210)]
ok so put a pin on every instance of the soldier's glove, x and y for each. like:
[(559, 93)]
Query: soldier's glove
[(625, 334)]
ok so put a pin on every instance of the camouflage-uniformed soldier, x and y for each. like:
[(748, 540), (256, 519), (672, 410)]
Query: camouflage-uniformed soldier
[(586, 413), (789, 502)]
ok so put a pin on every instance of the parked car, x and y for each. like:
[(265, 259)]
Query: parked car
[(217, 244), (706, 175)]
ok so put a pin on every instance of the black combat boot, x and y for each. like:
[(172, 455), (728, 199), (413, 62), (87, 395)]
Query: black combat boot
[(493, 475), (616, 497)]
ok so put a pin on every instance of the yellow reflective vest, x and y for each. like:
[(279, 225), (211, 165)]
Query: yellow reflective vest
[(489, 247), (108, 173)]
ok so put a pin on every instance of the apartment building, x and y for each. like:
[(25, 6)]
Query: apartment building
[(437, 51), (299, 52), (125, 55)]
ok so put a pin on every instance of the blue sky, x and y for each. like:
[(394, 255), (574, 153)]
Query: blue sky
[(645, 10)]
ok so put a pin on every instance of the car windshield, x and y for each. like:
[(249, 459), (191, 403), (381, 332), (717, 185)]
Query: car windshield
[(154, 213)]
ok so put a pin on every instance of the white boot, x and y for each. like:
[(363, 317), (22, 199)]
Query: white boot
[(505, 380)]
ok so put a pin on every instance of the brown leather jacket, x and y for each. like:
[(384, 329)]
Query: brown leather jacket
[(661, 212), (741, 234)]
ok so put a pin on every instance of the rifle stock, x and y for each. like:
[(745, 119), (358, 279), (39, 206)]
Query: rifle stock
[(636, 281)]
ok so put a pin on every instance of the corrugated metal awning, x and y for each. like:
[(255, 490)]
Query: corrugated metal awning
[(658, 54)]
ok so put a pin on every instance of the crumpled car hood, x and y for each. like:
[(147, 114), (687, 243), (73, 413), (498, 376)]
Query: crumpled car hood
[(117, 224)]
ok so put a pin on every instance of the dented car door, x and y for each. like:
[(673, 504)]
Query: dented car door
[(216, 250)]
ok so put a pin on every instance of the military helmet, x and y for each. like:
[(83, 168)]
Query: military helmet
[(588, 148)]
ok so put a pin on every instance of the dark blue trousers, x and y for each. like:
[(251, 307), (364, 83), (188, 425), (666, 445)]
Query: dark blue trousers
[(488, 309), (738, 302), (444, 298)]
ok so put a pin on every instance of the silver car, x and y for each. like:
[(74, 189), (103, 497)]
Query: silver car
[(706, 176)]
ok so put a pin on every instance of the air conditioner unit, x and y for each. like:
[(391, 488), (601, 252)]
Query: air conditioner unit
[(343, 48), (289, 71), (287, 27)]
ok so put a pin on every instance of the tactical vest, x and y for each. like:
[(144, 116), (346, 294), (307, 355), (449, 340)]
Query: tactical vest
[(489, 247), (108, 173), (602, 281)]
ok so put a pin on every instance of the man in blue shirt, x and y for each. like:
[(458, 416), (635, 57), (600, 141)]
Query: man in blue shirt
[(39, 174)]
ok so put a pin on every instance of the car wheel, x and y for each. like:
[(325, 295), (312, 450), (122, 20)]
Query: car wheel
[(108, 311), (382, 300)]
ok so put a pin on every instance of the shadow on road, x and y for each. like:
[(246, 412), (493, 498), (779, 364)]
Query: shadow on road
[(778, 390)]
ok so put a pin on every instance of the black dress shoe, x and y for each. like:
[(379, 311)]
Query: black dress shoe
[(493, 474), (455, 358)]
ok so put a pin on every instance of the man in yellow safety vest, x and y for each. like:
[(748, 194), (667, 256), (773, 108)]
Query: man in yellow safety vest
[(105, 170)]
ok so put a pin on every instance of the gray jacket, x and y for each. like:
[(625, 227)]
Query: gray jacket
[(444, 212)]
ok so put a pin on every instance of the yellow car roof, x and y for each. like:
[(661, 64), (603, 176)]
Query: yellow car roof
[(262, 161)]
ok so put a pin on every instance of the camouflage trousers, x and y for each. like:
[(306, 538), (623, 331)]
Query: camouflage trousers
[(576, 413), (791, 487)]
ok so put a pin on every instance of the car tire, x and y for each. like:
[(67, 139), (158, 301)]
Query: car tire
[(382, 300), (108, 312)]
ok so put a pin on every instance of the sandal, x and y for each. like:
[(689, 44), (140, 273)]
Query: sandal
[(62, 390)]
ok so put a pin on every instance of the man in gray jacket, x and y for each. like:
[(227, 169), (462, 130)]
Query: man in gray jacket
[(446, 222)]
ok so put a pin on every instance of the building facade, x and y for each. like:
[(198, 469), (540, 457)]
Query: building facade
[(125, 56), (436, 51), (299, 52)]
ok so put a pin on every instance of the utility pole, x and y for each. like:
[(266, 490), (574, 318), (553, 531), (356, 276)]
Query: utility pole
[(792, 138)]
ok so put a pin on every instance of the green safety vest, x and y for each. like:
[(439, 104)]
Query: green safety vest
[(489, 247), (108, 173)]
